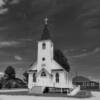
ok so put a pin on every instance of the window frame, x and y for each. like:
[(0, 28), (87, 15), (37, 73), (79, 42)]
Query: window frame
[(34, 77), (57, 77), (43, 74), (43, 46)]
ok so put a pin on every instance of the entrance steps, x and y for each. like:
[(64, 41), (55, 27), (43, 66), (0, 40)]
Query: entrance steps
[(74, 91), (42, 90), (37, 90)]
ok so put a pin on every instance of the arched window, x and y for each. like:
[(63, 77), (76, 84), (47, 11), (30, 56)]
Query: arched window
[(43, 59), (43, 45), (34, 77), (57, 77), (43, 73)]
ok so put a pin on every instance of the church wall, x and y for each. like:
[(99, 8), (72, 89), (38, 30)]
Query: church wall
[(69, 79), (30, 80), (46, 53), (48, 81), (62, 79), (44, 81)]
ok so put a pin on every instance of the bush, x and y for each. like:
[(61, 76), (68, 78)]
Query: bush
[(84, 94), (13, 83)]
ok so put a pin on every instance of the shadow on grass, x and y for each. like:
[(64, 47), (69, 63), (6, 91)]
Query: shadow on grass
[(83, 94)]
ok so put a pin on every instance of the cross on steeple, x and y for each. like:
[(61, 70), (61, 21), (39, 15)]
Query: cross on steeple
[(46, 20), (45, 35)]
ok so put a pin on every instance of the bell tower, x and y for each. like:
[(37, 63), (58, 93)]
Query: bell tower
[(45, 49)]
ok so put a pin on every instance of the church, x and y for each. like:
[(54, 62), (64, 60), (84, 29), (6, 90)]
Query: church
[(46, 74)]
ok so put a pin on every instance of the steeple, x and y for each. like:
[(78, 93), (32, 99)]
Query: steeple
[(45, 35)]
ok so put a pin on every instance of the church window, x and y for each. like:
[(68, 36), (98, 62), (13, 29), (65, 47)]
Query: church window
[(43, 73), (57, 77), (43, 59), (44, 46), (34, 77)]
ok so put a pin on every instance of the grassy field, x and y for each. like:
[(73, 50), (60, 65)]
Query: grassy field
[(24, 92), (96, 96)]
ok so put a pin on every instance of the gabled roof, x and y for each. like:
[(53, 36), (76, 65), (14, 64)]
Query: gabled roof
[(43, 69), (56, 66), (33, 66)]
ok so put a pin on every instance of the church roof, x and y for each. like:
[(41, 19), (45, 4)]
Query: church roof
[(81, 79), (33, 67), (56, 66), (45, 35)]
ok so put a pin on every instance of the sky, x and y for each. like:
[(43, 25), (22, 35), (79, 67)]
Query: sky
[(74, 26)]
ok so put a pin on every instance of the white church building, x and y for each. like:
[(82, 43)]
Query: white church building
[(46, 72)]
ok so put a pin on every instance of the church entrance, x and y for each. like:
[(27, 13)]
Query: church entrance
[(44, 78)]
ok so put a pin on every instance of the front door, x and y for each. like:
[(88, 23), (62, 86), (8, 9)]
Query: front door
[(44, 78)]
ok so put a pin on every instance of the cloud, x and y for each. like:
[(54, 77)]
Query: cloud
[(26, 39), (76, 53), (18, 58), (2, 3), (3, 10), (10, 1), (79, 53), (96, 50), (14, 1), (3, 28), (8, 43)]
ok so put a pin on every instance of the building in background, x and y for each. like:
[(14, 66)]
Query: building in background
[(85, 83)]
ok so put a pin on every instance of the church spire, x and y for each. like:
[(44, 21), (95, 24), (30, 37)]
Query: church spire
[(46, 34)]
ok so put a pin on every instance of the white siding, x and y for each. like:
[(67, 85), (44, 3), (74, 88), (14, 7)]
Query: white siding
[(46, 53), (49, 64), (30, 80), (44, 81), (63, 81)]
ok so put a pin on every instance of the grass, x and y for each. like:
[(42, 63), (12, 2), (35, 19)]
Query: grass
[(81, 94)]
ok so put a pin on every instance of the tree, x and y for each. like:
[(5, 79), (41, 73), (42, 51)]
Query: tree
[(10, 73), (61, 59)]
